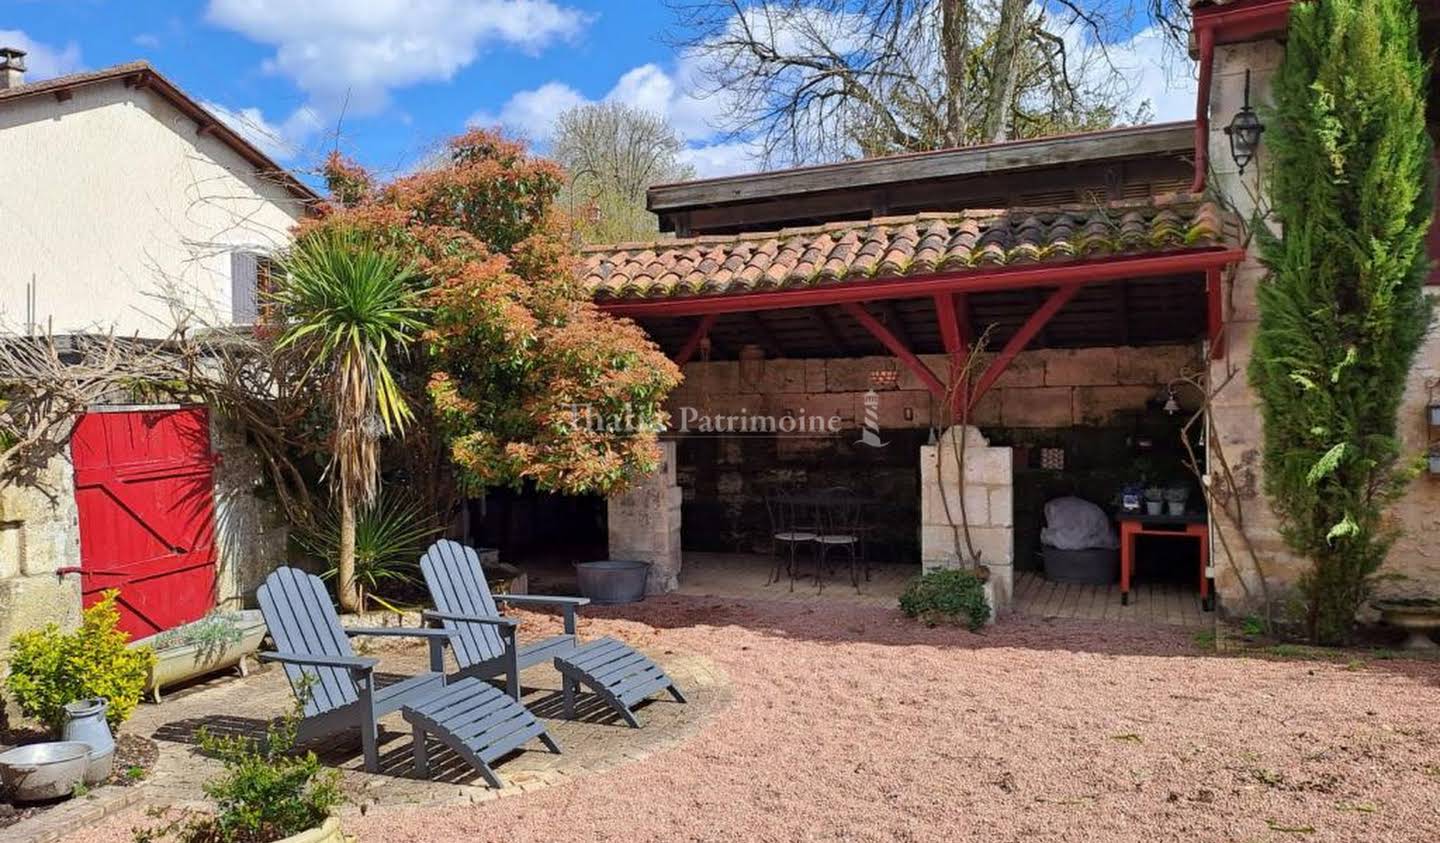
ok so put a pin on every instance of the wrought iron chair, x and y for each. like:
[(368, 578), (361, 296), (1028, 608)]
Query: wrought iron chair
[(839, 516), (788, 527)]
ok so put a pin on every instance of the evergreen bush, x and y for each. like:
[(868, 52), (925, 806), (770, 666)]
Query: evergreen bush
[(1343, 311), (947, 595), (49, 668)]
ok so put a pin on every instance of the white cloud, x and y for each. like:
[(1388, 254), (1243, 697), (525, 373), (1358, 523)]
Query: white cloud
[(1157, 74), (350, 54), (531, 114), (282, 141), (42, 60)]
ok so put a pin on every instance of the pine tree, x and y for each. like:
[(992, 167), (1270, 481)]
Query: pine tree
[(1343, 311)]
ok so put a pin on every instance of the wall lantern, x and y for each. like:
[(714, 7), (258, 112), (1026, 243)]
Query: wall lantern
[(1244, 131)]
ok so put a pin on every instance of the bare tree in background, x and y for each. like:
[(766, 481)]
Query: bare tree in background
[(612, 153), (821, 80)]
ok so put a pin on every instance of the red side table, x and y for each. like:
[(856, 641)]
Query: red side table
[(1134, 524)]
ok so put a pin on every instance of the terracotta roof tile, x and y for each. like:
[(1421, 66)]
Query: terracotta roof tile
[(899, 247)]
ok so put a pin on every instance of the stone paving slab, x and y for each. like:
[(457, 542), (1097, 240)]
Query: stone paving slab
[(596, 740)]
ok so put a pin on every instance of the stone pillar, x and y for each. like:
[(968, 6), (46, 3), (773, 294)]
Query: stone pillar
[(988, 493), (644, 523)]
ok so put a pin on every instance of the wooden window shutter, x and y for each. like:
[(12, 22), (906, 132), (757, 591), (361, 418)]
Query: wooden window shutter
[(244, 288)]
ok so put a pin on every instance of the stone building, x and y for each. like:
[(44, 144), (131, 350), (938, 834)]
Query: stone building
[(1107, 273), (130, 208)]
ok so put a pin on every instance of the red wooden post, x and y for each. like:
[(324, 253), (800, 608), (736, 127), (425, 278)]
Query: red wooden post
[(887, 339), (1022, 338), (702, 330), (953, 333), (1215, 311)]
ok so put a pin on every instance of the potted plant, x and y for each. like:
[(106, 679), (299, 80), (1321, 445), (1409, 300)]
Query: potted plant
[(1175, 498), (218, 641), (1154, 500)]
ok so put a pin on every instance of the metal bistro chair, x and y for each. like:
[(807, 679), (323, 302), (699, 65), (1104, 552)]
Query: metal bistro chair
[(787, 527), (839, 515)]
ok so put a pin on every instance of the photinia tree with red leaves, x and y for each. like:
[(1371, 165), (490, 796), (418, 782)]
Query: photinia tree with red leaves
[(516, 358)]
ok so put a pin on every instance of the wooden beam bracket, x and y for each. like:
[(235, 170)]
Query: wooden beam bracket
[(896, 347)]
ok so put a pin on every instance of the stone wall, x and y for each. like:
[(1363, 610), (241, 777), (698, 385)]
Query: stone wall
[(1044, 388), (251, 534), (976, 489), (1235, 417), (39, 532)]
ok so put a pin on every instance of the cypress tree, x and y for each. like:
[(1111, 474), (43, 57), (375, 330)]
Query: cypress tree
[(1343, 310)]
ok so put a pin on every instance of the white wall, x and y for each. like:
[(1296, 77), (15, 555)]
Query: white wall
[(112, 201)]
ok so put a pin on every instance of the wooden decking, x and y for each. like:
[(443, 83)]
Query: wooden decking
[(1149, 602)]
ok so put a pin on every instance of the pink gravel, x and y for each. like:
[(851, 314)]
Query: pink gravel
[(852, 723)]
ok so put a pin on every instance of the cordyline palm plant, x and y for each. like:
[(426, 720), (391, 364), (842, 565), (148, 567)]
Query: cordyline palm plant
[(390, 535), (350, 304)]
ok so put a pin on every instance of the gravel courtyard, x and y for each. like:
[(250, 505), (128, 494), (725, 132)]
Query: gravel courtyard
[(852, 723)]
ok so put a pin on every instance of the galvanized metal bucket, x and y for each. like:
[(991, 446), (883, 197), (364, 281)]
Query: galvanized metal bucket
[(611, 581)]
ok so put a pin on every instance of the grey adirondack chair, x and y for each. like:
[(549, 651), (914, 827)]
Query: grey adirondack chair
[(337, 686), (482, 640)]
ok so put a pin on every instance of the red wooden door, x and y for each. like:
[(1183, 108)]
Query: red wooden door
[(147, 514)]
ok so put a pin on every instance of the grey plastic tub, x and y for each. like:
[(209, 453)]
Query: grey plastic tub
[(1095, 566), (40, 771), (612, 580)]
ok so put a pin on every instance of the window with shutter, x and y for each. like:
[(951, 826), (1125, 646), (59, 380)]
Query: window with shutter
[(249, 282)]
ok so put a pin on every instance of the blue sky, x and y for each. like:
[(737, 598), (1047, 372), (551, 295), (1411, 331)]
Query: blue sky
[(408, 73)]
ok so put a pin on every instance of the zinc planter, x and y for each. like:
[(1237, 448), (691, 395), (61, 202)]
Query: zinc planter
[(611, 581), (179, 662)]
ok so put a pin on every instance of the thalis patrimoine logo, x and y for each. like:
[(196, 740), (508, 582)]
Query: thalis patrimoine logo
[(870, 432)]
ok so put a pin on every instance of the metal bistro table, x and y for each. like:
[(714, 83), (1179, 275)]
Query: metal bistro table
[(1133, 524)]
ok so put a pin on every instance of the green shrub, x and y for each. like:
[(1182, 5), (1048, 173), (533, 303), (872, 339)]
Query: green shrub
[(49, 668), (948, 595), (390, 535), (265, 794)]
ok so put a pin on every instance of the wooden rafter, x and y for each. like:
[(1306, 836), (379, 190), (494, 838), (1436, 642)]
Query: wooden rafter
[(766, 336), (893, 321), (1022, 338), (827, 328), (896, 347)]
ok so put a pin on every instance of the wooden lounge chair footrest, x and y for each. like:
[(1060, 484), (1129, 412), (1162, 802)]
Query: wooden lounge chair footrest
[(618, 674), (478, 721)]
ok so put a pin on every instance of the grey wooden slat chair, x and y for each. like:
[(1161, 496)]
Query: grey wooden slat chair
[(481, 639), (337, 686)]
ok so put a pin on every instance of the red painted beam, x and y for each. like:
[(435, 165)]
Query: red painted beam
[(1215, 312), (964, 281), (957, 345), (702, 330), (897, 348), (1022, 338)]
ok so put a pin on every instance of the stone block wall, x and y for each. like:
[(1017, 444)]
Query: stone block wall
[(1045, 388), (977, 490), (1414, 561), (39, 533)]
